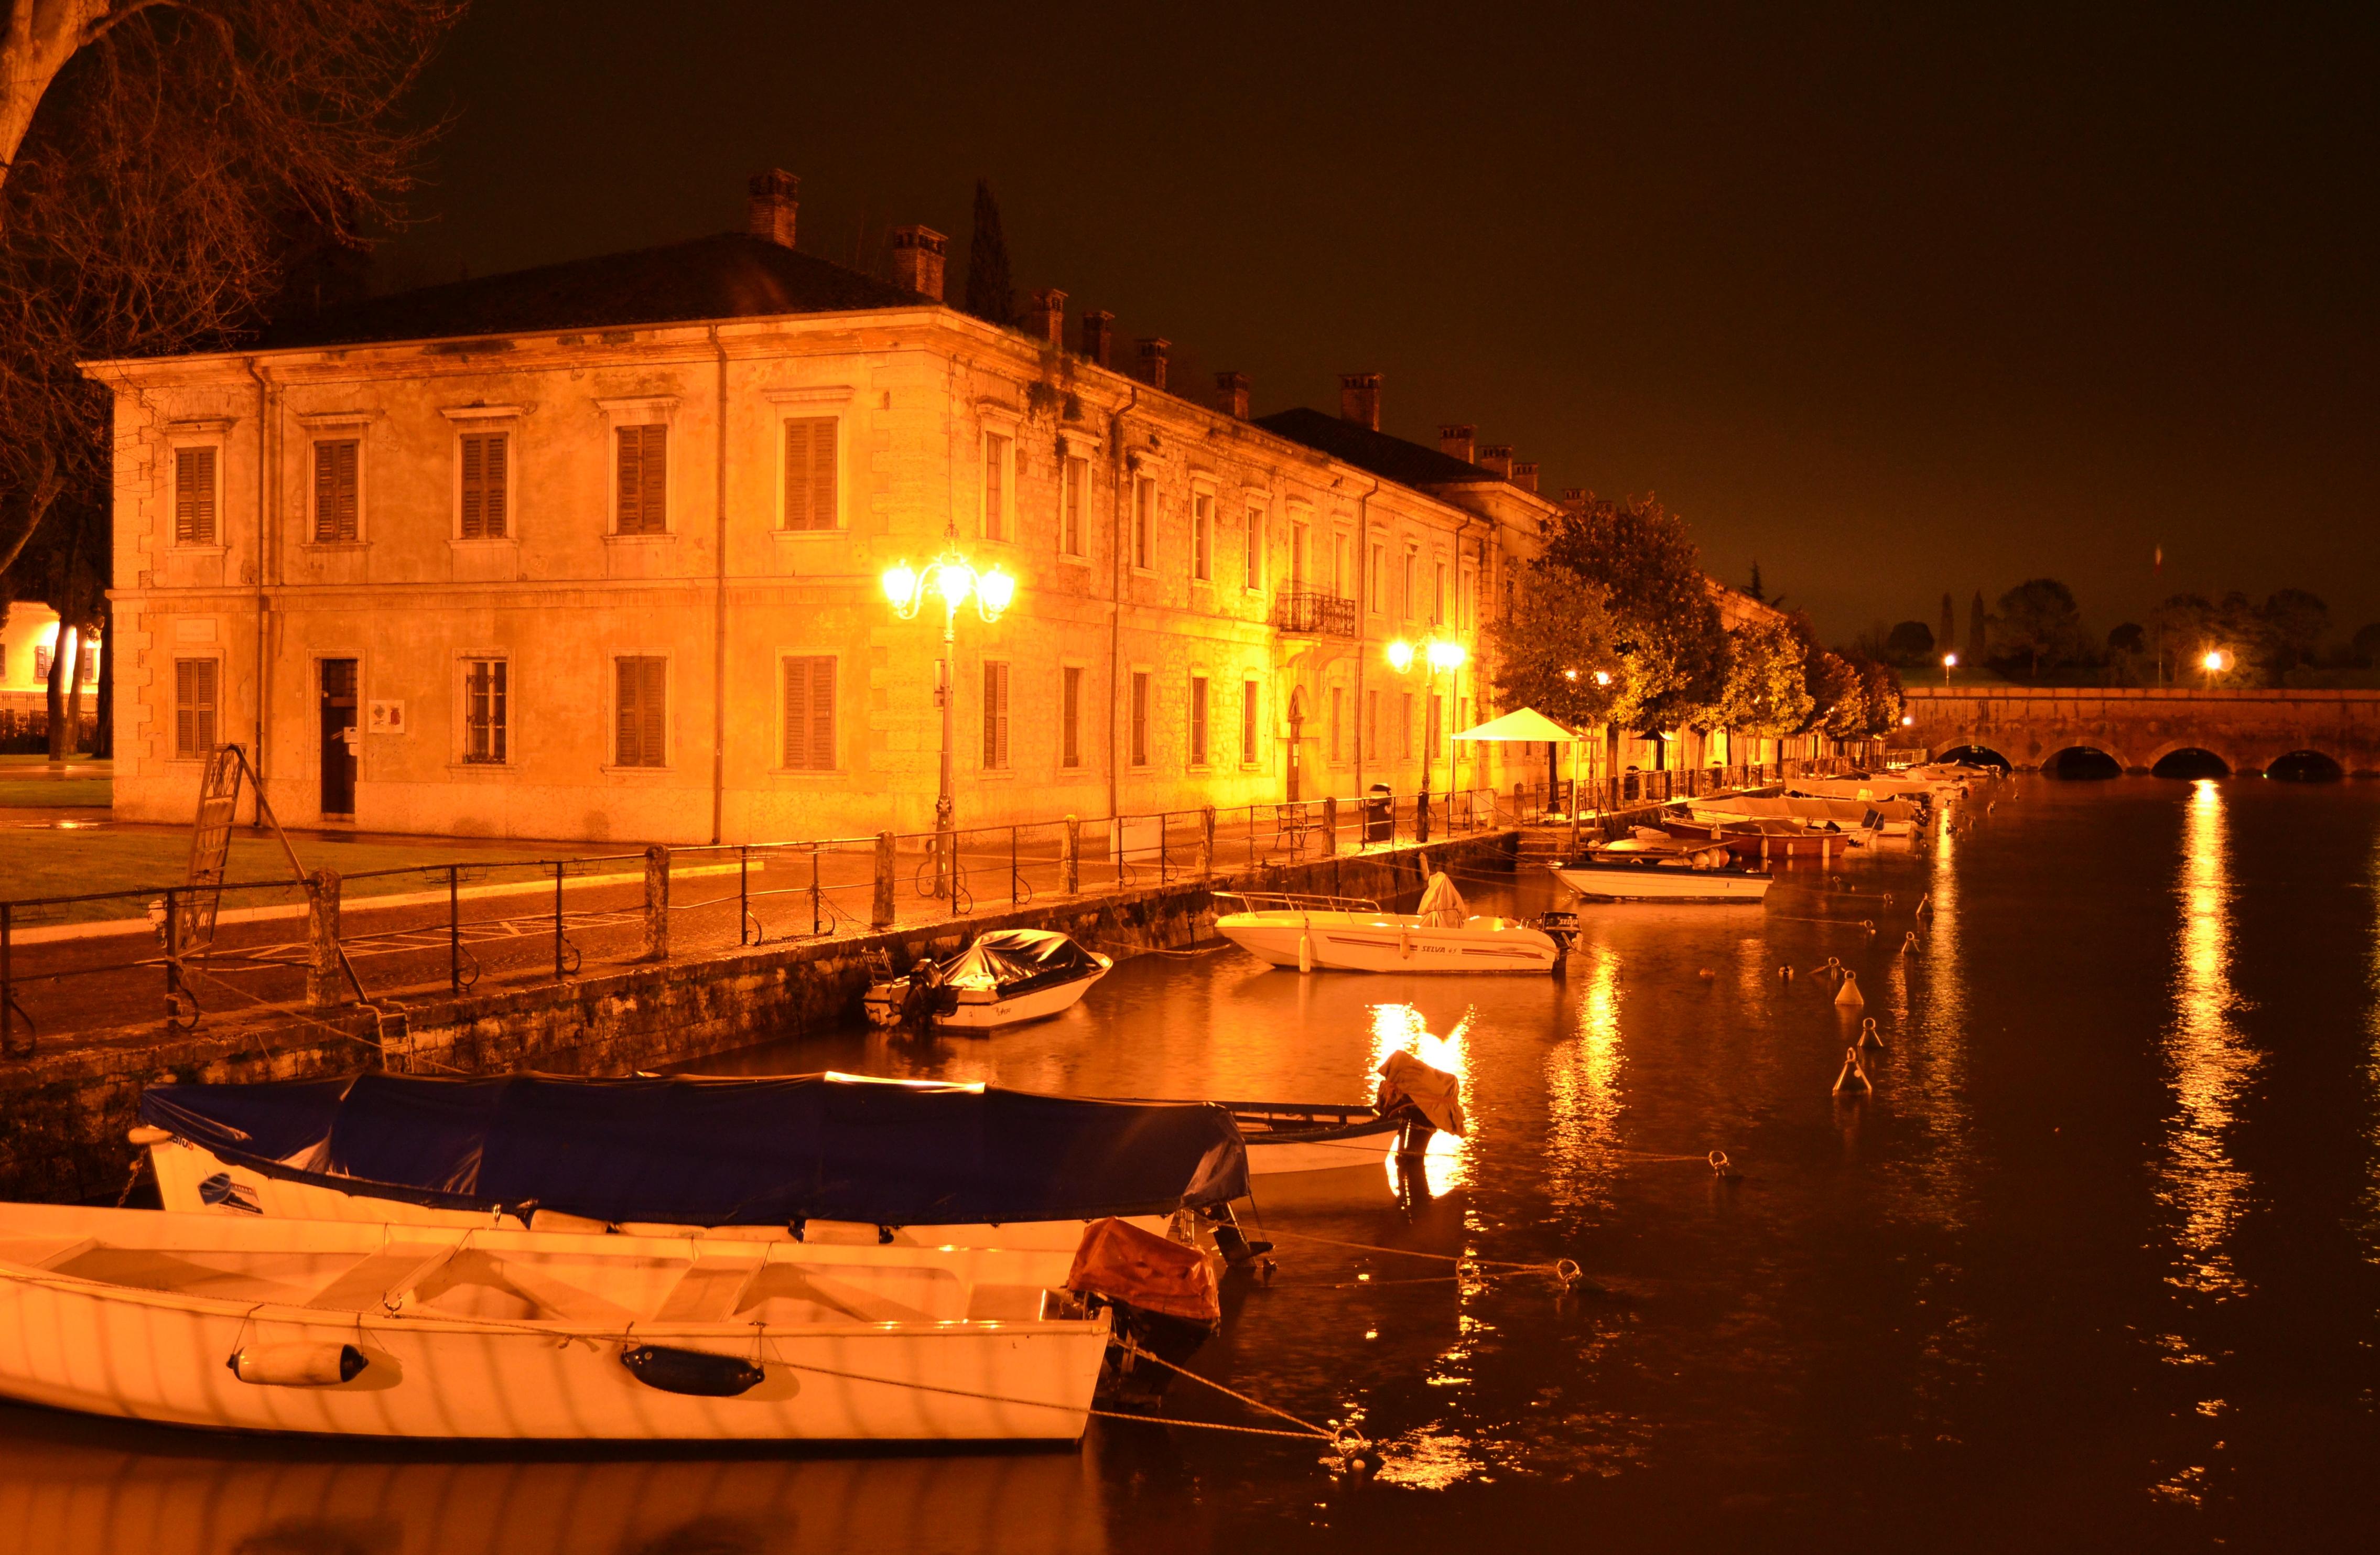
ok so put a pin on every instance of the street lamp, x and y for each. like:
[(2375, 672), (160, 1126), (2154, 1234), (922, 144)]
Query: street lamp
[(949, 578), (1949, 662), (1438, 655), (2214, 663)]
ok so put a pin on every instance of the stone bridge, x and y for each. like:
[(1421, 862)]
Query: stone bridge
[(2246, 731)]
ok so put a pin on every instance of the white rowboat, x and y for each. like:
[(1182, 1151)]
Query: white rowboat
[(326, 1328), (1330, 933)]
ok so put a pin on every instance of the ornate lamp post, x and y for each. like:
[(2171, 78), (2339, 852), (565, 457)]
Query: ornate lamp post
[(1437, 654), (949, 578)]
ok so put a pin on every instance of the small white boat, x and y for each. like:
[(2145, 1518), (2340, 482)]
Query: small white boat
[(1638, 869), (1284, 1137), (1006, 978), (327, 1328), (1348, 934)]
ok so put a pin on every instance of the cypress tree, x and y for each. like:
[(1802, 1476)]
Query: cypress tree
[(989, 294)]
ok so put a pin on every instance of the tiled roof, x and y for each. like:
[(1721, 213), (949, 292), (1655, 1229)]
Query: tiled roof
[(729, 276), (1391, 459)]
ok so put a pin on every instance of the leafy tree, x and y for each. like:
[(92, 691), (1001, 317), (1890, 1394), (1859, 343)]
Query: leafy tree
[(1755, 590), (1948, 637), (2366, 645), (1666, 628), (990, 295), (1911, 642), (1880, 697), (2040, 624), (1764, 694), (2294, 624), (2179, 631), (1978, 631), (2128, 638), (1551, 646), (161, 162)]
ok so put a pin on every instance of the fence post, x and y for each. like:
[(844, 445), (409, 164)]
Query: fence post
[(322, 936), (879, 915), (657, 887), (1070, 858), (1207, 843), (454, 930), (1330, 827)]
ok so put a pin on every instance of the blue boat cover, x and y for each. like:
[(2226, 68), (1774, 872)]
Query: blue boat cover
[(686, 1150)]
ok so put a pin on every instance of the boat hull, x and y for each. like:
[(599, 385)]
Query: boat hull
[(1347, 941), (1634, 883), (983, 1010), (79, 1336)]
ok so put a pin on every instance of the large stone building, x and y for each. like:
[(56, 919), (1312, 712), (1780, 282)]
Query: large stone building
[(593, 551)]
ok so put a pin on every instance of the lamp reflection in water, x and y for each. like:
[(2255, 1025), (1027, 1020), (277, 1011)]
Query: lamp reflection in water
[(1582, 1091), (1397, 1028), (2207, 1058)]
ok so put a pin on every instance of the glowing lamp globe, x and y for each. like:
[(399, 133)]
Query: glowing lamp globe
[(996, 589), (1446, 655), (2213, 662), (1400, 655), (900, 583)]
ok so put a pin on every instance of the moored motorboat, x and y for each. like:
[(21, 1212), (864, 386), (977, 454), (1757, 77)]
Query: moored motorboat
[(1335, 933), (1004, 979), (1639, 869), (1761, 839), (349, 1328), (1284, 1137)]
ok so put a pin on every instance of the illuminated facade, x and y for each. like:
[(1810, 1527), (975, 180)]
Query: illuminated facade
[(595, 552)]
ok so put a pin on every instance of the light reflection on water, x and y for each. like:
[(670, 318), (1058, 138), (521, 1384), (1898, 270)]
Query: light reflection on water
[(1953, 1308)]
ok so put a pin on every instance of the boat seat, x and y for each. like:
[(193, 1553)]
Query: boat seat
[(366, 1283), (708, 1292)]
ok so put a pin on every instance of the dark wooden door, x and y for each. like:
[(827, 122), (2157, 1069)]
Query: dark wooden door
[(339, 736)]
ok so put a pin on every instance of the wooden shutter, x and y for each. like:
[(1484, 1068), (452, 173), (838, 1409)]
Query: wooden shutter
[(1070, 752), (1140, 720), (644, 479), (194, 706), (995, 716), (809, 714), (1198, 721), (485, 484), (810, 473), (1249, 723), (335, 491), (643, 711), (194, 497)]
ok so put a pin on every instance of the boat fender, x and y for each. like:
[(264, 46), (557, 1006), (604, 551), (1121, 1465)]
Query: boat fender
[(1868, 1037), (698, 1373), (1306, 952), (1350, 1453), (296, 1365), (1853, 1080), (1404, 944), (1786, 973), (1850, 997), (1707, 975)]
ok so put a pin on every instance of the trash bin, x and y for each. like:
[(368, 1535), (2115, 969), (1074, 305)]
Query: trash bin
[(1379, 815)]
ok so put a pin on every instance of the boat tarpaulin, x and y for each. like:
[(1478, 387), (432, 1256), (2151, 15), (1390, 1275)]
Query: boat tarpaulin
[(1018, 961), (686, 1150), (1435, 1092), (1125, 1263)]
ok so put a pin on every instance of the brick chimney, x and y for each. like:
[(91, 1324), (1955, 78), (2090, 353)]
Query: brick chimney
[(1231, 395), (1458, 442), (918, 254), (1524, 474), (1152, 359), (771, 200), (1574, 498), (1098, 326), (1049, 318), (1359, 399)]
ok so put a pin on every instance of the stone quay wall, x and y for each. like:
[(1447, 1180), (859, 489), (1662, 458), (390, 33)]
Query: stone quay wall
[(68, 1111)]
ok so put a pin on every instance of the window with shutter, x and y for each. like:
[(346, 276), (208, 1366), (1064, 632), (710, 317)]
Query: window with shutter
[(1255, 549), (1404, 725), (1202, 535), (1071, 525), (337, 493), (643, 480), (810, 473), (1334, 724), (809, 713), (1140, 718), (485, 714), (995, 716), (486, 484), (643, 709), (194, 708), (194, 497), (1143, 523), (1369, 736), (995, 486), (1070, 720), (1248, 724), (1198, 721)]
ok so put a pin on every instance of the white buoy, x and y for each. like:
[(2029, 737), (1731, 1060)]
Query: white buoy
[(1849, 996), (1306, 952), (1852, 1081), (1868, 1037)]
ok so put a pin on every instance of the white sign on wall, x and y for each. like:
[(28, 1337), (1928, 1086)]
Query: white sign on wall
[(388, 718)]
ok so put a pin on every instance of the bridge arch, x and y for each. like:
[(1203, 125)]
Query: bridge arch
[(2305, 766), (1973, 753), (2082, 762), (2180, 759)]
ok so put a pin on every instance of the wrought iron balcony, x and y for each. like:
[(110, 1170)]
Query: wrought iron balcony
[(1313, 613)]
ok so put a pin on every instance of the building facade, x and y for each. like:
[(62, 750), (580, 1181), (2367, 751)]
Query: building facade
[(594, 552)]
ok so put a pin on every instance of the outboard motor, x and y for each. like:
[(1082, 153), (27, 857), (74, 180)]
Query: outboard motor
[(1164, 1304), (1560, 925)]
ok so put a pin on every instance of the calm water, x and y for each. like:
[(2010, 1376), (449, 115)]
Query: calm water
[(2097, 1266)]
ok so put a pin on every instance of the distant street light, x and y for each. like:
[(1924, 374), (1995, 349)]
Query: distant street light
[(1949, 662), (951, 579), (1438, 655)]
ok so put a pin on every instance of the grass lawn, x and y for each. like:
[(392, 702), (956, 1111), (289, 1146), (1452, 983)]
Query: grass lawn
[(16, 792), (41, 861)]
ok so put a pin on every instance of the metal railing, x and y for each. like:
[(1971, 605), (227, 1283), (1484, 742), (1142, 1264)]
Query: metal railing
[(1316, 613)]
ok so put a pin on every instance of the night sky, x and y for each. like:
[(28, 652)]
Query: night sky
[(1891, 301)]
